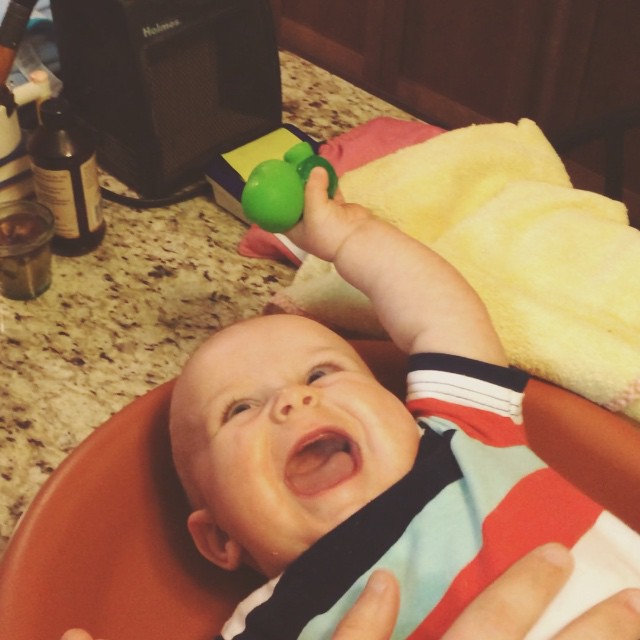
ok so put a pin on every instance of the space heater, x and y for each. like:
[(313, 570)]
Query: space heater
[(166, 85)]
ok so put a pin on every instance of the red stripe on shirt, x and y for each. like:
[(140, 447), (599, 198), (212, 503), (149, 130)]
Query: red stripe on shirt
[(532, 514), (485, 426)]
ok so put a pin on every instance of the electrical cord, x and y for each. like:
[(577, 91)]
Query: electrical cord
[(201, 188)]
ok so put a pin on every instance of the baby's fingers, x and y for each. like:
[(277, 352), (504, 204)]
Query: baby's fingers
[(315, 192), (317, 186), (338, 197)]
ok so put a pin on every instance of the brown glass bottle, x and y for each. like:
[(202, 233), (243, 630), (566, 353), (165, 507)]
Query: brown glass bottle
[(65, 175)]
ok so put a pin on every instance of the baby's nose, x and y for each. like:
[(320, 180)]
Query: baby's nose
[(292, 399)]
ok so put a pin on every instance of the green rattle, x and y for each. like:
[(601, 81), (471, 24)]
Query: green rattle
[(273, 196)]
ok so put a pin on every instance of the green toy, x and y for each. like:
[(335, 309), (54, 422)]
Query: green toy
[(273, 196)]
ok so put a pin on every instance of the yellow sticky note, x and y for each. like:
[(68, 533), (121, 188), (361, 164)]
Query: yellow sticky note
[(271, 146)]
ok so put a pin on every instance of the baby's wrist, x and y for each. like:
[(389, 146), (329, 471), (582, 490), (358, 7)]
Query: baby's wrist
[(356, 236)]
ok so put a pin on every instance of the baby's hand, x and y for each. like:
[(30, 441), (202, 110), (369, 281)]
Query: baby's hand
[(326, 223)]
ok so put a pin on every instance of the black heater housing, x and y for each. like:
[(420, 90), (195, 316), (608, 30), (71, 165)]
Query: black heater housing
[(165, 85)]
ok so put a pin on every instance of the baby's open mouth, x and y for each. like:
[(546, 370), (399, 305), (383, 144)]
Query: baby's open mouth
[(321, 463)]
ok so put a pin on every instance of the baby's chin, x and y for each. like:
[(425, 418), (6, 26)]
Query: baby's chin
[(330, 511), (334, 517), (324, 514)]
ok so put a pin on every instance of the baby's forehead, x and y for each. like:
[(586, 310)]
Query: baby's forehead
[(265, 333), (264, 342)]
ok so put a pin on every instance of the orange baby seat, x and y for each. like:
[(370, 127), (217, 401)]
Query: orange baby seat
[(104, 545)]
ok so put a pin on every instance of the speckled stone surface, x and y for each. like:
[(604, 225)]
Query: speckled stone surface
[(121, 320)]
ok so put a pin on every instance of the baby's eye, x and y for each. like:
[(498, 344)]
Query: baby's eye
[(319, 372), (234, 408)]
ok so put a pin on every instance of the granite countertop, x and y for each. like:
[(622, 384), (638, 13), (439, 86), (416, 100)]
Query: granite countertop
[(122, 320)]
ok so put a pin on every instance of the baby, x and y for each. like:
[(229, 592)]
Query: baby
[(300, 464)]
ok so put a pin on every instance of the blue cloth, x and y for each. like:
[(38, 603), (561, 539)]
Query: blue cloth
[(38, 45)]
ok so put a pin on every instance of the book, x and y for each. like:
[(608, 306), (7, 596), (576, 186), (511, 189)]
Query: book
[(228, 172)]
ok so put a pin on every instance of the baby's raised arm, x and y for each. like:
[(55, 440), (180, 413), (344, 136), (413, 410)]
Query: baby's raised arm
[(421, 300)]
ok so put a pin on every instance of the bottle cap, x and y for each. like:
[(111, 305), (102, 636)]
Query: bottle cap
[(55, 113)]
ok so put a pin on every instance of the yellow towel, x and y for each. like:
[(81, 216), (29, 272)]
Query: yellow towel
[(557, 267)]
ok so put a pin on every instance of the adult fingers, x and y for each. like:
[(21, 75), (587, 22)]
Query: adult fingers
[(509, 607), (617, 618), (76, 634), (375, 612)]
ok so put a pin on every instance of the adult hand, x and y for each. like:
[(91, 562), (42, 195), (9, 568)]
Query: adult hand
[(506, 610), (76, 634), (374, 614), (372, 618)]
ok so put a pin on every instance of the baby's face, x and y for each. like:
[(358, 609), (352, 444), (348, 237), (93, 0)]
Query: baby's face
[(300, 435)]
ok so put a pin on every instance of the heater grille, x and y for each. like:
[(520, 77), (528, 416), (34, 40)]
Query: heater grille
[(167, 100)]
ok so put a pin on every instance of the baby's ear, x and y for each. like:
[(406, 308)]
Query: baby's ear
[(212, 542)]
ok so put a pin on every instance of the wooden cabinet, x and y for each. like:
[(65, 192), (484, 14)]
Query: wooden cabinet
[(567, 64), (342, 37)]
